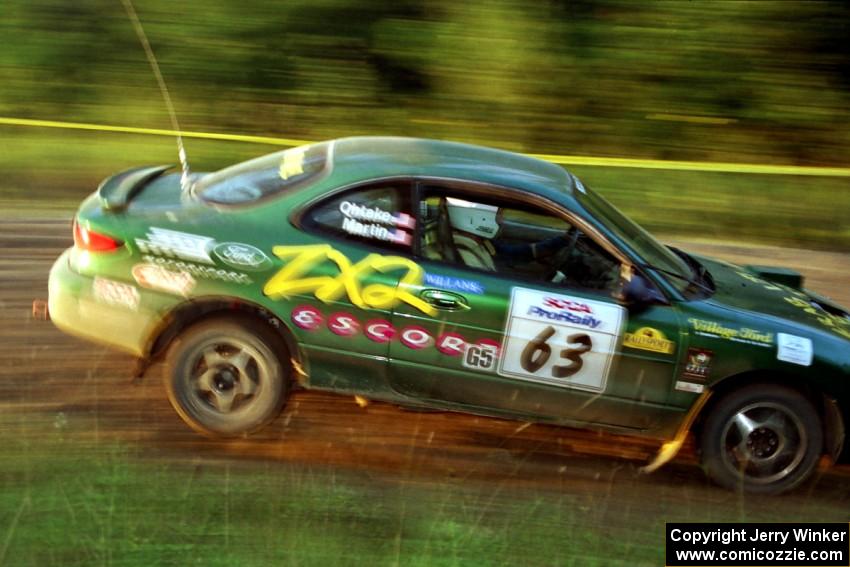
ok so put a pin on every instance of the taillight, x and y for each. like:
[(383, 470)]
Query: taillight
[(86, 239)]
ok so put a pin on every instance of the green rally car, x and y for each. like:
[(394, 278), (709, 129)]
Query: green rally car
[(450, 276)]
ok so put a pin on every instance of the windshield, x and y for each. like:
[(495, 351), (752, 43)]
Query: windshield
[(266, 176), (642, 242)]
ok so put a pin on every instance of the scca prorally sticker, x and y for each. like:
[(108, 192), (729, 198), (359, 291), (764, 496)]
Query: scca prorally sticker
[(204, 272), (794, 349), (242, 256), (174, 244), (158, 278), (745, 335), (294, 278), (647, 338), (698, 363), (115, 293), (454, 284), (561, 340)]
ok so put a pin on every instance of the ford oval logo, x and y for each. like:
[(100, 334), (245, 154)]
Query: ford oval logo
[(242, 256)]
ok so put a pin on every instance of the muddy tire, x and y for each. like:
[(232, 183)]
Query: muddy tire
[(763, 438), (227, 376)]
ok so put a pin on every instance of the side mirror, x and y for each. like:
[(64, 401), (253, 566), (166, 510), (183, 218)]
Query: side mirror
[(637, 292)]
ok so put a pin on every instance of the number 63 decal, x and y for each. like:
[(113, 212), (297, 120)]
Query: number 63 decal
[(537, 352)]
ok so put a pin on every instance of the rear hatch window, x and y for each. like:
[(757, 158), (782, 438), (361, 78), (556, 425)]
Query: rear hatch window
[(266, 177)]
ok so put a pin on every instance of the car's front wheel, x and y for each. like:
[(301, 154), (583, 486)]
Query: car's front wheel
[(763, 438), (225, 377)]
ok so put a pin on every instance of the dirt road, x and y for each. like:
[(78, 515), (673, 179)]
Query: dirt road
[(49, 377)]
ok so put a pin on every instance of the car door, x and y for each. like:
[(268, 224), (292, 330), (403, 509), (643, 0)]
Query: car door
[(337, 284), (524, 338)]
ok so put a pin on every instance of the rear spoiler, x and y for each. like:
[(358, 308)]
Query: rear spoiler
[(116, 192)]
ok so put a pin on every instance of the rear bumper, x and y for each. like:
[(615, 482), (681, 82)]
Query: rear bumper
[(77, 310)]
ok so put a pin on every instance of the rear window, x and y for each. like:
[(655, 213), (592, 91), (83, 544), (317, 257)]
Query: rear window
[(266, 176)]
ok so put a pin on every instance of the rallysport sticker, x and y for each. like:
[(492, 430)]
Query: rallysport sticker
[(647, 338), (561, 340)]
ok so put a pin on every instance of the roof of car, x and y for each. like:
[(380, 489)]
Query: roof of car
[(398, 156)]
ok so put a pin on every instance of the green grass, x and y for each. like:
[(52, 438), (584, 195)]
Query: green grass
[(69, 502), (68, 498)]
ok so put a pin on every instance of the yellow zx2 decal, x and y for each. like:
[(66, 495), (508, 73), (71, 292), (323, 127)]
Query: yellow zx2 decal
[(293, 278)]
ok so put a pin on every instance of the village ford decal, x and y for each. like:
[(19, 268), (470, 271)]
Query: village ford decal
[(242, 256), (295, 278)]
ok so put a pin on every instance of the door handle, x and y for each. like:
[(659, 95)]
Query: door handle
[(444, 300)]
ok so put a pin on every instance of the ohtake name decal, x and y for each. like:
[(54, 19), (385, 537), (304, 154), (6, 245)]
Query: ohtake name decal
[(294, 278)]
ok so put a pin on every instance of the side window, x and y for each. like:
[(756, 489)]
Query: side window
[(512, 238), (376, 215)]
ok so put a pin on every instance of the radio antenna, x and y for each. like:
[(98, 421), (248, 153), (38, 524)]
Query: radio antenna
[(143, 39)]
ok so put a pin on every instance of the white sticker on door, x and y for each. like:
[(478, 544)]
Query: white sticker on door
[(561, 340), (794, 349)]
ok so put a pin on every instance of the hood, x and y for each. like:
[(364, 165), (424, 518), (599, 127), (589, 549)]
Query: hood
[(740, 289)]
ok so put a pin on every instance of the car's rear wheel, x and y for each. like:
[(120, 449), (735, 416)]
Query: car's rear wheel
[(225, 377), (762, 438)]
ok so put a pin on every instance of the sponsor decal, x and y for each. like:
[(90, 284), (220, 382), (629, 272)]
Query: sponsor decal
[(242, 256), (794, 349), (377, 232), (158, 278), (174, 244), (453, 284), (115, 293), (481, 355), (294, 278), (380, 330), (416, 338), (561, 340), (569, 304), (307, 317), (372, 222), (689, 387), (451, 344), (565, 316), (698, 363), (292, 163), (343, 324), (742, 335), (205, 272), (647, 338), (835, 323), (377, 215)]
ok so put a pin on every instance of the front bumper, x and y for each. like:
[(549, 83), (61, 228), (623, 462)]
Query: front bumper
[(76, 309)]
